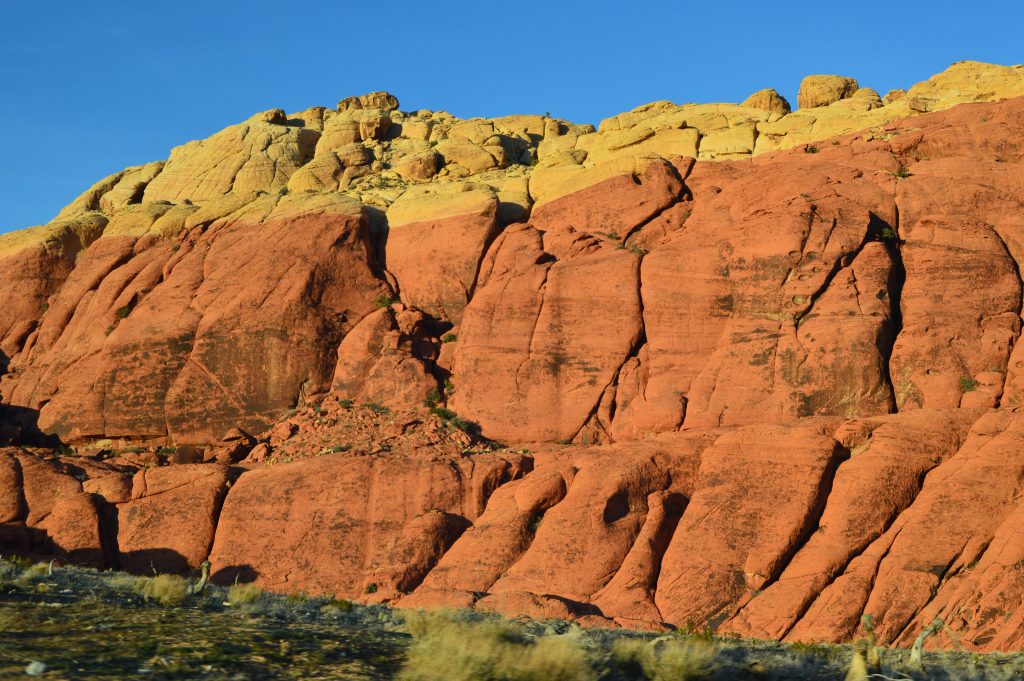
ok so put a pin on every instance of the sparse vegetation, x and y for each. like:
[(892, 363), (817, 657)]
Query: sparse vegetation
[(455, 421), (887, 234), (107, 630), (337, 605), (665, 659), (433, 398), (164, 589), (968, 384), (810, 149), (449, 338), (383, 300), (442, 413), (123, 311), (902, 173), (376, 408), (240, 594), (447, 647)]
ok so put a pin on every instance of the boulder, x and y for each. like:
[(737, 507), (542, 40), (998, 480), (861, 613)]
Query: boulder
[(74, 528), (372, 100), (818, 91), (769, 100), (169, 523)]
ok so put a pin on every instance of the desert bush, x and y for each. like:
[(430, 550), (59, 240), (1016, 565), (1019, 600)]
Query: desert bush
[(164, 589), (7, 571), (455, 421), (125, 582), (240, 594), (968, 384), (445, 647), (433, 398), (32, 574), (335, 605), (665, 659)]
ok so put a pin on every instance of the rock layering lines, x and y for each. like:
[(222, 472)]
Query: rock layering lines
[(752, 368)]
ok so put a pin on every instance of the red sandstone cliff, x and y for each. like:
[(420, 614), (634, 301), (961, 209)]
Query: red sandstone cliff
[(750, 369)]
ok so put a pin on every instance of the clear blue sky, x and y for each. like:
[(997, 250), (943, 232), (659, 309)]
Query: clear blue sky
[(88, 88)]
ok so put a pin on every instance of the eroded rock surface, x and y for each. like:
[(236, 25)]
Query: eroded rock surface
[(716, 365)]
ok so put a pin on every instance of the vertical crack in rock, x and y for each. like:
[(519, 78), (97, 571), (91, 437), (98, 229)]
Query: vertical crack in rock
[(531, 524), (220, 497), (1020, 307), (812, 519), (488, 242), (842, 261), (912, 626), (858, 551), (542, 294), (372, 493), (683, 194), (633, 352), (897, 279)]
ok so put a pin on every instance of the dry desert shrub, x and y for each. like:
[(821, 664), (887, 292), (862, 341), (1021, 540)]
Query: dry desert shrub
[(445, 647), (164, 589), (665, 659), (240, 594)]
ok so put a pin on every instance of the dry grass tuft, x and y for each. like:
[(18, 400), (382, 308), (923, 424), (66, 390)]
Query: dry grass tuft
[(444, 647), (665, 659), (164, 589), (240, 594), (125, 582), (32, 574)]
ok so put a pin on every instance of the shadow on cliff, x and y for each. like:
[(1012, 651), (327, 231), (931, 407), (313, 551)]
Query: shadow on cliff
[(20, 425), (234, 574), (154, 561)]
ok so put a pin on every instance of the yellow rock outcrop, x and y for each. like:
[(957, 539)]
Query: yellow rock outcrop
[(368, 150)]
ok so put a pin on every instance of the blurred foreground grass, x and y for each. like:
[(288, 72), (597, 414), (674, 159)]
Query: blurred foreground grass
[(84, 624)]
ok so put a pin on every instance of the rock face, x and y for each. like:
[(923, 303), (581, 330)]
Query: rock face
[(218, 323), (646, 375)]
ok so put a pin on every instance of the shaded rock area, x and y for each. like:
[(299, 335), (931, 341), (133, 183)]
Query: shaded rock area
[(726, 366)]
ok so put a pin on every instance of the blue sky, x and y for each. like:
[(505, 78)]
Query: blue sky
[(87, 88)]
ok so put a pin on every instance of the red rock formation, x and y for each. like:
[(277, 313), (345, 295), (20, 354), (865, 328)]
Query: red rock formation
[(767, 395), (150, 340)]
